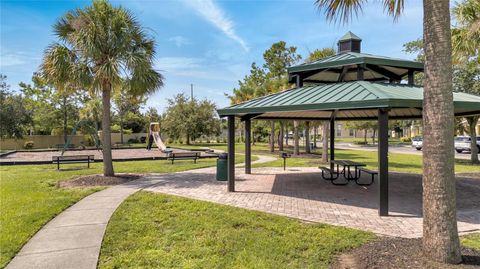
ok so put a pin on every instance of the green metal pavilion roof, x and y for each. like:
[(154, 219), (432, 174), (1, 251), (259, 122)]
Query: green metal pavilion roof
[(352, 58), (350, 100)]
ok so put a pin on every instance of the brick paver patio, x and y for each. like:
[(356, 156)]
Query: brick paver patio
[(301, 193)]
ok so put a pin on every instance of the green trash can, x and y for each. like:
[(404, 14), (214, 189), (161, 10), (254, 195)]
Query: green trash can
[(222, 167)]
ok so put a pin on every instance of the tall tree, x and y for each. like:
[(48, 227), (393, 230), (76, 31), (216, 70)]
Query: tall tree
[(190, 118), (278, 57), (12, 105), (440, 233), (318, 54), (100, 46)]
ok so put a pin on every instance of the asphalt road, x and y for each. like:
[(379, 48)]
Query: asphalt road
[(396, 149)]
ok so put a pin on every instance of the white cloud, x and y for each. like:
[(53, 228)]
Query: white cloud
[(211, 12), (11, 59), (177, 63), (179, 40)]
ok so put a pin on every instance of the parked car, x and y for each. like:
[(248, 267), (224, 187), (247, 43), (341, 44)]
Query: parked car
[(462, 143), (417, 142)]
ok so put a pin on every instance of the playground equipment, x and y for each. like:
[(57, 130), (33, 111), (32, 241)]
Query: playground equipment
[(154, 136), (87, 127)]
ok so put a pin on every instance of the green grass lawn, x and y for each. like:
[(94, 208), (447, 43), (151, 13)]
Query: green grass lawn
[(398, 162), (185, 233), (472, 241), (29, 197), (408, 163)]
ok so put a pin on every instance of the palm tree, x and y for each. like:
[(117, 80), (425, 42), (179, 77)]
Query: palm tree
[(466, 48), (440, 233), (105, 45)]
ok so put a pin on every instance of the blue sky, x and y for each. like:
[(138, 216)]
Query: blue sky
[(209, 43)]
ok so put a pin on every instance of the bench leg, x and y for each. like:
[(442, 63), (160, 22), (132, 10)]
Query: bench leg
[(364, 184), (58, 165), (195, 160), (88, 162)]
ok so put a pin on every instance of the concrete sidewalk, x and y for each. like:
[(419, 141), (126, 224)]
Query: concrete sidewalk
[(73, 238)]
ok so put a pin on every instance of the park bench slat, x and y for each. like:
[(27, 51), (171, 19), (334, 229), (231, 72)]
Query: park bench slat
[(73, 159), (172, 156)]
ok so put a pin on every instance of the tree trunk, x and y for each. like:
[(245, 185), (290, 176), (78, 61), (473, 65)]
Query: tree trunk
[(106, 131), (307, 137), (325, 133), (472, 123), (296, 146), (188, 139), (374, 131), (121, 129), (365, 136), (65, 121), (281, 135), (272, 136), (315, 128), (440, 233)]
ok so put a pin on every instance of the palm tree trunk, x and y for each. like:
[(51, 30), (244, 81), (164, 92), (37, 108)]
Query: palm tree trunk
[(106, 131), (307, 137), (272, 136), (65, 121), (325, 130), (281, 135), (440, 233), (472, 123), (296, 146), (121, 129)]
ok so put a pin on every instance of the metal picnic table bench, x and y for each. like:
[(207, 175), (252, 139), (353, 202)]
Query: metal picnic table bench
[(73, 159), (347, 172)]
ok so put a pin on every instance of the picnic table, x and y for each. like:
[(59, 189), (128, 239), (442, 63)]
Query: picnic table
[(344, 167)]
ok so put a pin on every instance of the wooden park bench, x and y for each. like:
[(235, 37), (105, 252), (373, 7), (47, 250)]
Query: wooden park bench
[(73, 159), (191, 155), (366, 171)]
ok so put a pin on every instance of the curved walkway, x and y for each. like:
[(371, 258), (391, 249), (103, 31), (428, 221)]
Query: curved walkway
[(73, 239)]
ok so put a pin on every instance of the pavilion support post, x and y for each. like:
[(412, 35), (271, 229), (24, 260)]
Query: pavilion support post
[(383, 162), (411, 77), (332, 141), (248, 149), (360, 72), (231, 153), (299, 81)]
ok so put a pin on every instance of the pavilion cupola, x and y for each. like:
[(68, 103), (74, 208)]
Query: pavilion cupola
[(349, 43), (351, 64)]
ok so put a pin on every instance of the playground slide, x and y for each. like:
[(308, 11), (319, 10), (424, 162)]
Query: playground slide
[(158, 141)]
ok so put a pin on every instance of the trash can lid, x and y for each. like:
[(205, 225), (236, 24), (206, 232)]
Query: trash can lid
[(223, 156)]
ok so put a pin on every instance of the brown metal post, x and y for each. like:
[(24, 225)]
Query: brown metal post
[(411, 77), (360, 71), (248, 149), (231, 153), (383, 162), (332, 141)]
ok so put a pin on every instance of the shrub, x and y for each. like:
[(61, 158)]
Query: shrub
[(127, 131), (180, 141), (143, 139), (115, 128), (217, 139), (28, 145), (89, 140), (406, 139), (224, 140), (133, 140), (360, 142), (170, 140)]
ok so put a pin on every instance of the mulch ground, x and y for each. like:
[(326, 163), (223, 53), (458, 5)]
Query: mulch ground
[(388, 252), (97, 180)]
